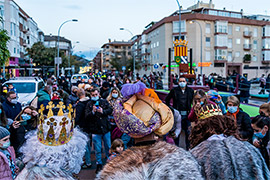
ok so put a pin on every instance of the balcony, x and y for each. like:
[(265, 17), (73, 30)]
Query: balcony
[(247, 58), (221, 59), (247, 34), (247, 47)]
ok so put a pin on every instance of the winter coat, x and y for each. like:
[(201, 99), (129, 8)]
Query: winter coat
[(98, 123), (80, 119), (175, 95), (157, 161), (12, 110), (5, 171), (225, 158), (43, 98), (72, 99), (244, 125), (244, 88)]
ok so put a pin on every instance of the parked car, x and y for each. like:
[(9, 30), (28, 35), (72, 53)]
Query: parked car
[(27, 88), (75, 78)]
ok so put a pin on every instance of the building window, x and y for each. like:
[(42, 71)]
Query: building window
[(157, 43), (11, 29), (230, 43), (237, 28), (255, 32), (266, 31), (230, 29), (1, 10), (213, 12), (207, 42), (207, 56), (157, 56), (266, 55), (237, 54), (238, 41), (229, 56), (176, 26), (208, 28), (221, 27), (220, 54), (221, 40), (255, 44), (266, 43), (254, 58), (14, 51)]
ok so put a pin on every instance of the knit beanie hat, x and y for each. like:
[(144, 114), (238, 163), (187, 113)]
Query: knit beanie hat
[(3, 132)]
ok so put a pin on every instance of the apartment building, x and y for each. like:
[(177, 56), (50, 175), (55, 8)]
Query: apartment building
[(23, 32), (50, 41), (231, 42), (98, 61), (115, 49)]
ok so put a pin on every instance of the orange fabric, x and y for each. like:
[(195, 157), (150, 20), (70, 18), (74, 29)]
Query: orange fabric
[(151, 93), (233, 114)]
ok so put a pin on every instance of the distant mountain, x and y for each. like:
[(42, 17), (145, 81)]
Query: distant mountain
[(89, 55)]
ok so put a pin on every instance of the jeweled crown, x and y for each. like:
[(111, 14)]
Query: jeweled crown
[(209, 110), (180, 42), (55, 125)]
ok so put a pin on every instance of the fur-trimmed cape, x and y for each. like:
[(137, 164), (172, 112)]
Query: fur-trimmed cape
[(158, 161), (229, 158)]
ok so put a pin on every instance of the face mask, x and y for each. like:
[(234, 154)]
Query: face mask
[(182, 84), (201, 103), (115, 95), (94, 98), (14, 101), (6, 145), (26, 117), (5, 91), (259, 135), (232, 109)]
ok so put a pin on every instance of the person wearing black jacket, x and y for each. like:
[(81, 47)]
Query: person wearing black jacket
[(81, 121), (96, 113), (244, 90), (182, 96), (242, 118)]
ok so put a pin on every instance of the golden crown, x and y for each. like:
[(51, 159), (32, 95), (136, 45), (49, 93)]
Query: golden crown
[(209, 110), (180, 42), (56, 128)]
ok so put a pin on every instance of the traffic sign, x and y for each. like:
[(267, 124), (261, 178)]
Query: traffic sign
[(58, 60), (156, 66)]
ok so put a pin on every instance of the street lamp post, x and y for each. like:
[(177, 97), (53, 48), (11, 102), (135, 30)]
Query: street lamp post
[(58, 37), (179, 20), (132, 53), (201, 42)]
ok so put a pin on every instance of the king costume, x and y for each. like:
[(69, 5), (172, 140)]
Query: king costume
[(221, 152), (55, 151), (142, 115)]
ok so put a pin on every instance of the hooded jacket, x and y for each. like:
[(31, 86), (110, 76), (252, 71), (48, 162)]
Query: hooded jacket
[(43, 97)]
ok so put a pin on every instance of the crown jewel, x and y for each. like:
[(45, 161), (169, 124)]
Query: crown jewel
[(180, 42), (55, 130), (209, 110)]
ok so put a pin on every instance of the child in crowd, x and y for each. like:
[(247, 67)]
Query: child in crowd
[(8, 169), (260, 125), (117, 148)]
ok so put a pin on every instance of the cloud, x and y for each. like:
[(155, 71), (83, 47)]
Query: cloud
[(73, 7)]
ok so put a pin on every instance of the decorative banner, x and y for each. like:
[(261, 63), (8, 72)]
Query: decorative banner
[(181, 51)]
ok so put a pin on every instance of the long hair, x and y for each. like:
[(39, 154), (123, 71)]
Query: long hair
[(34, 119), (201, 93), (109, 98), (205, 128), (3, 120)]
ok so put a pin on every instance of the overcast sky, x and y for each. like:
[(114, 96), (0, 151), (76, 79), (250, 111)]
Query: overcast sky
[(100, 20)]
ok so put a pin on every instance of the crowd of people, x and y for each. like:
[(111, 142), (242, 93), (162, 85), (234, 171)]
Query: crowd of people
[(138, 133)]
